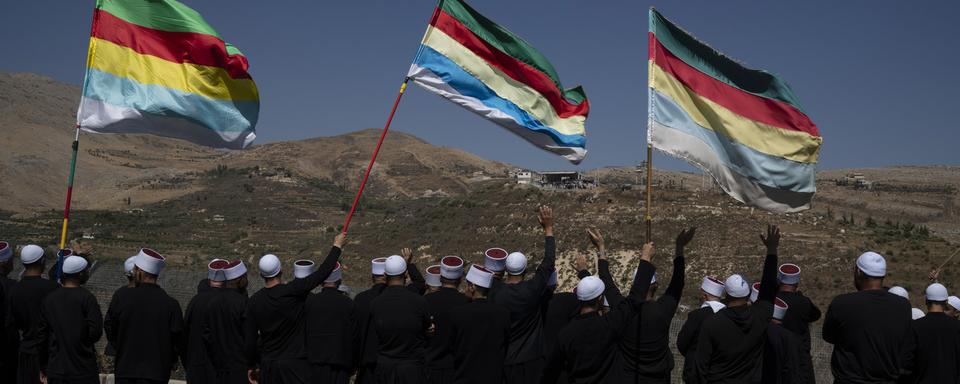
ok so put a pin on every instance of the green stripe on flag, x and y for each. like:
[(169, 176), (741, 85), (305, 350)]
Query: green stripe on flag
[(165, 15), (715, 64), (507, 42)]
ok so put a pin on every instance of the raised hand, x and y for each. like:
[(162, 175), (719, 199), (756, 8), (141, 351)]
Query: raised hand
[(407, 254), (647, 252), (580, 263), (597, 239), (340, 240), (546, 219), (772, 239), (934, 275), (685, 236)]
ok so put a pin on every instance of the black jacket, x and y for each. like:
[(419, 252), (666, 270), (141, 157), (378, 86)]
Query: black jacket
[(70, 325), (587, 349), (368, 339), (523, 300), (146, 327), (730, 346), (400, 320), (781, 356), (687, 341), (24, 309), (870, 332), (479, 334), (439, 305), (797, 320), (332, 333), (936, 357), (222, 331)]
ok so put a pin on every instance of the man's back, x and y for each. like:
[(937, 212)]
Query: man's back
[(439, 305), (25, 300), (869, 330), (797, 320), (277, 313), (71, 325), (400, 320), (197, 364), (780, 356), (589, 347), (731, 343), (222, 331), (937, 349), (332, 333), (480, 332), (146, 327)]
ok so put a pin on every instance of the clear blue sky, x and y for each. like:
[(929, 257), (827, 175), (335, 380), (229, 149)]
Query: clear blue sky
[(880, 78)]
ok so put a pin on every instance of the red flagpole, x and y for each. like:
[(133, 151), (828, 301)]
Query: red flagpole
[(373, 159)]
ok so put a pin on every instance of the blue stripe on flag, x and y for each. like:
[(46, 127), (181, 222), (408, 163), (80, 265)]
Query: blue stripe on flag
[(771, 171), (468, 85)]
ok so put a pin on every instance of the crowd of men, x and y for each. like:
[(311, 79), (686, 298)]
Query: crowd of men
[(497, 321)]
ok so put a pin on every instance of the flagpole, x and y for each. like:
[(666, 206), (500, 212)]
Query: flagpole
[(66, 209), (373, 159), (649, 217)]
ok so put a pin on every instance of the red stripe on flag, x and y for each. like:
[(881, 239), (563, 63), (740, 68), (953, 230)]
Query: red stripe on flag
[(757, 108), (177, 47), (514, 68)]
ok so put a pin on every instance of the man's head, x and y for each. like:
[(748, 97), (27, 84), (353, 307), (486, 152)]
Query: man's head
[(215, 274), (711, 289), (31, 256), (147, 266), (937, 298), (789, 277), (235, 275), (899, 291), (451, 271), (75, 272), (516, 266), (395, 268), (590, 294), (432, 278), (128, 268), (336, 277), (303, 268), (953, 307), (377, 270), (479, 280), (869, 272), (779, 310), (6, 258), (737, 289), (270, 268), (495, 260)]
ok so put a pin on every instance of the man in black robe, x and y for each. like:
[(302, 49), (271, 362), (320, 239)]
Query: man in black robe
[(9, 338), (561, 309), (525, 355), (936, 341), (797, 320), (781, 351), (198, 366), (70, 326), (440, 368), (870, 329), (711, 295), (145, 326), (646, 347), (401, 321), (274, 330), (24, 316), (222, 325), (128, 265), (361, 306), (479, 333), (730, 346), (332, 333), (587, 348)]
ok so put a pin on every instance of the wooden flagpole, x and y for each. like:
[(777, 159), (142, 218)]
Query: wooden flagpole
[(373, 159), (66, 209), (649, 216)]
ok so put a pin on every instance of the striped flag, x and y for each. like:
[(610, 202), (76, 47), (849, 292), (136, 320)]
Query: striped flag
[(155, 66), (472, 61), (742, 126)]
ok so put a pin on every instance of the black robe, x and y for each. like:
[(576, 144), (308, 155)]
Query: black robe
[(274, 328), (222, 333), (936, 357), (439, 355), (146, 327), (368, 340), (730, 346), (587, 348), (870, 332), (525, 355), (25, 300), (400, 319), (646, 349), (332, 336), (9, 337), (802, 312), (687, 341), (781, 354), (560, 310), (479, 334), (70, 325), (197, 364)]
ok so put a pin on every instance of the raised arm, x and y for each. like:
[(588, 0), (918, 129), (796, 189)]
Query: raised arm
[(768, 283), (549, 263), (417, 283), (305, 285), (611, 291), (619, 317), (677, 279)]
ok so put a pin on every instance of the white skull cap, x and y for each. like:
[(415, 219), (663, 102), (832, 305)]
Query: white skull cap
[(269, 265), (516, 263), (589, 288), (736, 286), (872, 264), (395, 266)]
